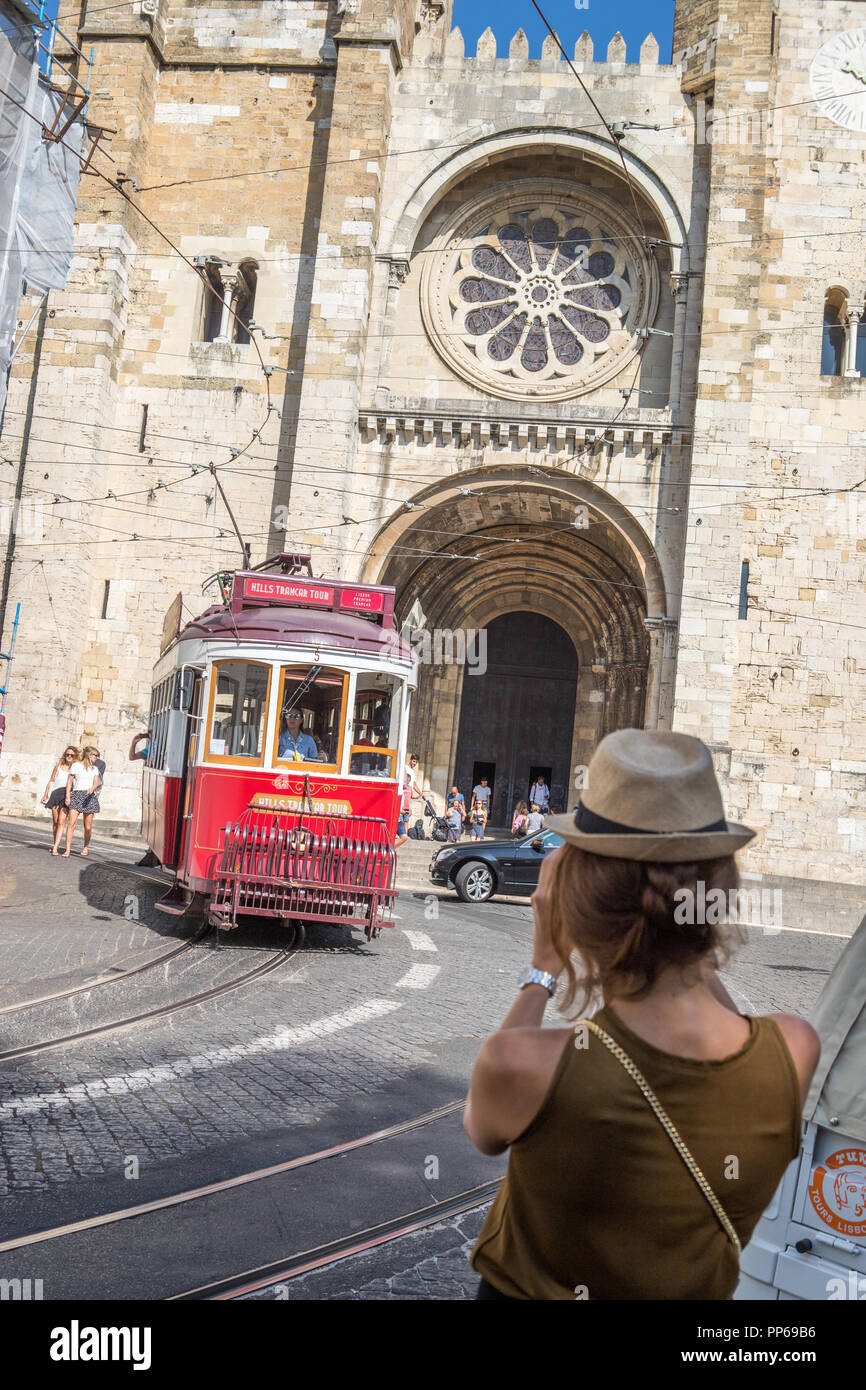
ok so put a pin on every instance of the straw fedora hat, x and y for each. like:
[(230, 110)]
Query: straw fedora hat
[(651, 795)]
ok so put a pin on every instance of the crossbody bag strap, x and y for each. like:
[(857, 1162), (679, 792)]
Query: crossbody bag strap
[(667, 1125)]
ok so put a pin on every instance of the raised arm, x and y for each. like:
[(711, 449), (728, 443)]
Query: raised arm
[(133, 749), (514, 1066)]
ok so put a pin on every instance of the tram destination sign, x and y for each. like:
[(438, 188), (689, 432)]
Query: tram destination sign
[(268, 588), (254, 590), (171, 622)]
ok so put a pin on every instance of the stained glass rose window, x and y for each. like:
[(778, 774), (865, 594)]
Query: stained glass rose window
[(539, 298)]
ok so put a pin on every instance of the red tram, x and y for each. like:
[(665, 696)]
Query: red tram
[(278, 740)]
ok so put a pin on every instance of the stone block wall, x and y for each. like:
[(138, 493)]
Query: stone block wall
[(778, 457)]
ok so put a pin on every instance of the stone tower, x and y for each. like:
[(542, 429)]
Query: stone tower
[(568, 388), (771, 652)]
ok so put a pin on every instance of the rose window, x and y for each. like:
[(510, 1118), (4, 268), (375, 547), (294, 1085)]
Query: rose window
[(540, 299)]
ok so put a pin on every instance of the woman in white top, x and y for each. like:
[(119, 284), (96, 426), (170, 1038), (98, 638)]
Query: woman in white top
[(81, 782), (55, 792)]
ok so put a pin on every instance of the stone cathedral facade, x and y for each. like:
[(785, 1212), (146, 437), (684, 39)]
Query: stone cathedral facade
[(600, 395)]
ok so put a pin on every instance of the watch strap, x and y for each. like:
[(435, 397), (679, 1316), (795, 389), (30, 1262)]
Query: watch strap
[(534, 976)]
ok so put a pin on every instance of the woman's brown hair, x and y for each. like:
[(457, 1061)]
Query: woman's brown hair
[(628, 919)]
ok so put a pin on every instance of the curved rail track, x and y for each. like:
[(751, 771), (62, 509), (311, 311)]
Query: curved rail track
[(98, 980), (241, 1180), (160, 1010), (359, 1243)]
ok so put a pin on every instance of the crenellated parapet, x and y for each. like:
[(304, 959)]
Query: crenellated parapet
[(489, 52)]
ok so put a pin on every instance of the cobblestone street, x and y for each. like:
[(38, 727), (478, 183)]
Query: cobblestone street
[(339, 1039)]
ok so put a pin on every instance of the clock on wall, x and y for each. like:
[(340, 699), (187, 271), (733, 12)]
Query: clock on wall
[(838, 78)]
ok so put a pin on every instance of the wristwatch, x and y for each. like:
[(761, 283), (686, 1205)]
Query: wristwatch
[(532, 976)]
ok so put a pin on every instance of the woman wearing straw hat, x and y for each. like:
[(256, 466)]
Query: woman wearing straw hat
[(645, 1140)]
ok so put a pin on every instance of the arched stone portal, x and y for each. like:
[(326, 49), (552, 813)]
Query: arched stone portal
[(481, 546), (517, 713)]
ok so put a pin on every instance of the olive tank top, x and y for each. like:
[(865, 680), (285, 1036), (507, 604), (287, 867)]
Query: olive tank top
[(597, 1203)]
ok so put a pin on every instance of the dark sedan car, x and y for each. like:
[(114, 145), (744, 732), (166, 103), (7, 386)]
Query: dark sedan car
[(481, 868)]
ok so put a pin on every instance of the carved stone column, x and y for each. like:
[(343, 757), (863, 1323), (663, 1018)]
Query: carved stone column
[(430, 29), (398, 269), (662, 666), (233, 286), (679, 284), (854, 318)]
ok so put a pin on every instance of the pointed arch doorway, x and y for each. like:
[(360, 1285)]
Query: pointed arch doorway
[(517, 719)]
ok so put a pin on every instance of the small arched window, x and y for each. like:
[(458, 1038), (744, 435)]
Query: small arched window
[(228, 300), (833, 335)]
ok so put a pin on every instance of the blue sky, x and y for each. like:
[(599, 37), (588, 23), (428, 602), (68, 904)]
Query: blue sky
[(633, 18)]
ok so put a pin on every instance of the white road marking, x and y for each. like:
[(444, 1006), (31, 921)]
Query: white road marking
[(419, 977), (420, 941), (205, 1061), (736, 993), (801, 931)]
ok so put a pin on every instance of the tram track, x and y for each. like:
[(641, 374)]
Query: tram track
[(359, 1243), (157, 1011), (116, 976), (256, 1175)]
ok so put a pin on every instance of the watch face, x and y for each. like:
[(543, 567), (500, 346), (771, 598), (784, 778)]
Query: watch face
[(838, 79)]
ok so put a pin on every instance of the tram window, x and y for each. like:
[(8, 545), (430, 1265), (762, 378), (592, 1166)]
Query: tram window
[(160, 702), (239, 707), (312, 699), (375, 728)]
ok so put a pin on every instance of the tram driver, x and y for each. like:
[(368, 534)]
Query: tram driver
[(294, 743)]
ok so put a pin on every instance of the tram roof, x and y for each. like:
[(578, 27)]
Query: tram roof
[(302, 627)]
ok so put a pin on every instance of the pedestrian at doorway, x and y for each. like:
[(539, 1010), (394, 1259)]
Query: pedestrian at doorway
[(55, 792), (534, 821), (81, 782), (518, 823), (481, 795), (455, 823), (539, 792), (411, 790), (91, 805), (668, 1076), (456, 798), (477, 821)]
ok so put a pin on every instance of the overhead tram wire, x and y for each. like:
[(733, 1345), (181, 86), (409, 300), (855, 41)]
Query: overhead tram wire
[(780, 613), (176, 250), (199, 272), (788, 491), (431, 553), (728, 116)]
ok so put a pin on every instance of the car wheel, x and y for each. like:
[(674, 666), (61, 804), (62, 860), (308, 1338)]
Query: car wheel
[(475, 883)]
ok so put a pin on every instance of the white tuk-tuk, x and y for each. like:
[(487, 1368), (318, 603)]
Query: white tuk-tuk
[(811, 1241)]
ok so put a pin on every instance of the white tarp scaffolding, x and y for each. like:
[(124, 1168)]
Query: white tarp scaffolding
[(838, 1094), (38, 177)]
